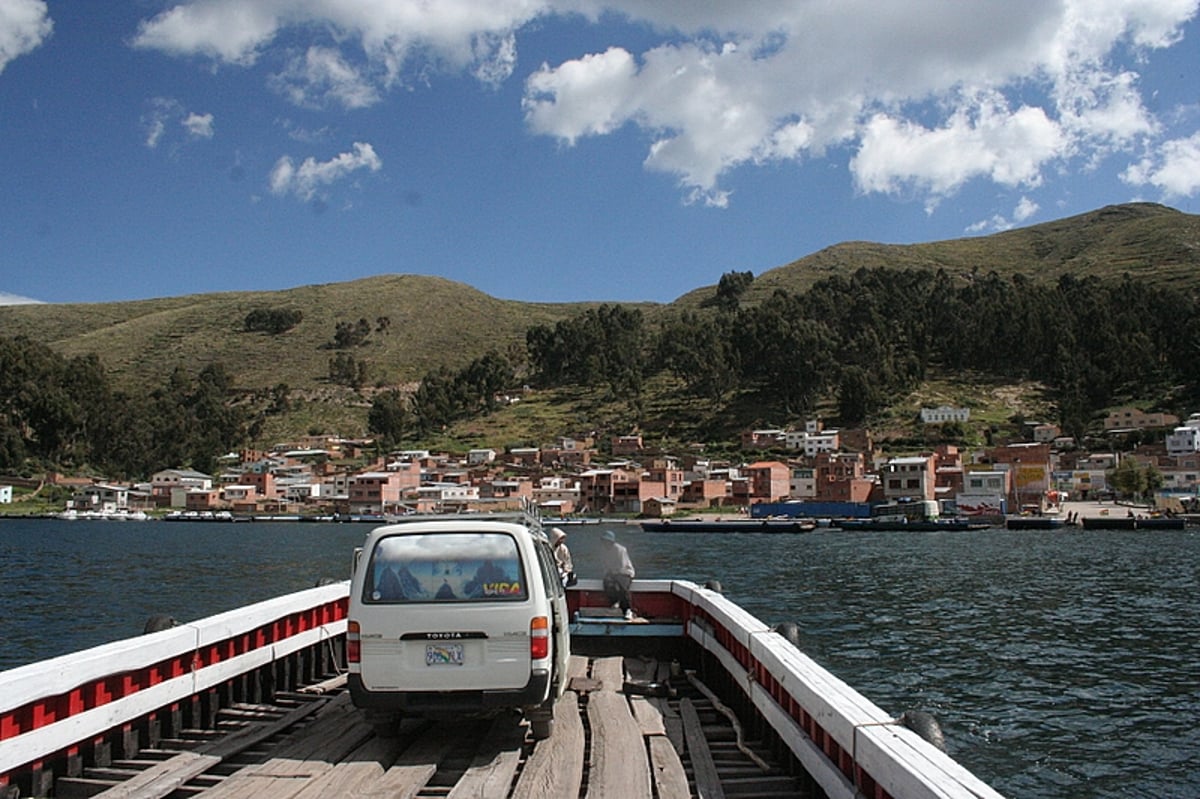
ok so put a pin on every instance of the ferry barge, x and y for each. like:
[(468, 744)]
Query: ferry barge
[(694, 697)]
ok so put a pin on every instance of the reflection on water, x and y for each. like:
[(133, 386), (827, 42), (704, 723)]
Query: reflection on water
[(1059, 664)]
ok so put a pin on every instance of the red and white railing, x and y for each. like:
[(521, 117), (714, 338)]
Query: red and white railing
[(52, 711)]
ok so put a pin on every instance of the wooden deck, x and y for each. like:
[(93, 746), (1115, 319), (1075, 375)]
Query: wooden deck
[(615, 736)]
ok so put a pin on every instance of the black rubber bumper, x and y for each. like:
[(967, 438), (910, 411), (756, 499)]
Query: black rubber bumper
[(535, 692)]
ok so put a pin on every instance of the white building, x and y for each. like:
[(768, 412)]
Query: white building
[(944, 413), (908, 478), (162, 482), (478, 457), (239, 493), (448, 492), (1184, 440), (812, 443), (802, 483)]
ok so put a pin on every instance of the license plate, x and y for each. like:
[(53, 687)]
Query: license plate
[(443, 654)]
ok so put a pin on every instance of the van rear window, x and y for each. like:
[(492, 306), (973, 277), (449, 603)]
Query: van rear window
[(445, 567)]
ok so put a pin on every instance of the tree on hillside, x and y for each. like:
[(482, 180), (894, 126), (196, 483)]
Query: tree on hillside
[(347, 335), (604, 345), (483, 380), (272, 320), (730, 289), (858, 395), (346, 370), (783, 353), (698, 350), (390, 418)]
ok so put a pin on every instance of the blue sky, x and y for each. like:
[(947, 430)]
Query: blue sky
[(563, 150)]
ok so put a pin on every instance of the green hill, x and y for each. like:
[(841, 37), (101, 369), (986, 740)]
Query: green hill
[(1148, 241), (430, 322), (418, 323)]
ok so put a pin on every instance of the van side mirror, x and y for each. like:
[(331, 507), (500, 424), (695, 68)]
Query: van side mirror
[(354, 562)]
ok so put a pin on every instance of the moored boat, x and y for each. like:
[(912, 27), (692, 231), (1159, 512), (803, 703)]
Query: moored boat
[(729, 526), (63, 720), (947, 524), (1134, 523), (1034, 523), (911, 515)]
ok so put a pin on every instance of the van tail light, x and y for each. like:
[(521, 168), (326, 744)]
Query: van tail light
[(353, 643), (539, 638)]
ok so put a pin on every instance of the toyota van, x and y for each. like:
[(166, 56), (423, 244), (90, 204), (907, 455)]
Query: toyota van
[(457, 617)]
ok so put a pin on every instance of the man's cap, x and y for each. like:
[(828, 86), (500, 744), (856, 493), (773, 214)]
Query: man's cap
[(609, 535)]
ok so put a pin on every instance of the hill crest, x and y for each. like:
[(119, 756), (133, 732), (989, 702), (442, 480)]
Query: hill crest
[(419, 323)]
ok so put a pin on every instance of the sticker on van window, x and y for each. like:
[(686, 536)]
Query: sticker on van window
[(501, 589)]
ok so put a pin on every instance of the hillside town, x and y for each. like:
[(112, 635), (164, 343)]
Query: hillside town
[(816, 469)]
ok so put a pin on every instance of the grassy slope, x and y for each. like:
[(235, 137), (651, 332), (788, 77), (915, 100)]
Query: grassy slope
[(436, 321), (433, 322), (1150, 242)]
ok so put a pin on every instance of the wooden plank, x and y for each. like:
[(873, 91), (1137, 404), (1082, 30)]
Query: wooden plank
[(328, 739), (491, 771), (576, 666), (355, 775), (609, 672), (166, 776), (417, 763), (672, 722), (555, 767), (618, 765), (708, 784), (648, 716), (669, 777)]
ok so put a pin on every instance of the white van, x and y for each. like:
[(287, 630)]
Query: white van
[(453, 617)]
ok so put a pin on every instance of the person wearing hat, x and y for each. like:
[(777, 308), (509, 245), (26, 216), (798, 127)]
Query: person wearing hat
[(562, 557), (618, 573)]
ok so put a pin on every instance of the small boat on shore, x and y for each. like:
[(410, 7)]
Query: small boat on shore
[(1134, 523), (729, 526), (910, 516), (949, 524), (1034, 523)]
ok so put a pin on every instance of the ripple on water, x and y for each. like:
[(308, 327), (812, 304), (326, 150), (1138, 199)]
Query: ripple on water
[(1058, 665)]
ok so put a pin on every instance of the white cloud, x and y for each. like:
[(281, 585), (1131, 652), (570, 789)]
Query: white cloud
[(887, 79), (927, 95), (1174, 169), (323, 77), (1025, 210), (583, 97), (199, 126), (473, 35), (163, 112), (17, 299), (987, 140), (305, 180), (24, 25)]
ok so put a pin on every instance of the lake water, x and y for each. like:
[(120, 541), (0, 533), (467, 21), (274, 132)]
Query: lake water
[(1059, 664)]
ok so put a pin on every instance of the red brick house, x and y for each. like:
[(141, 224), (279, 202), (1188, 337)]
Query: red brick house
[(770, 481)]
